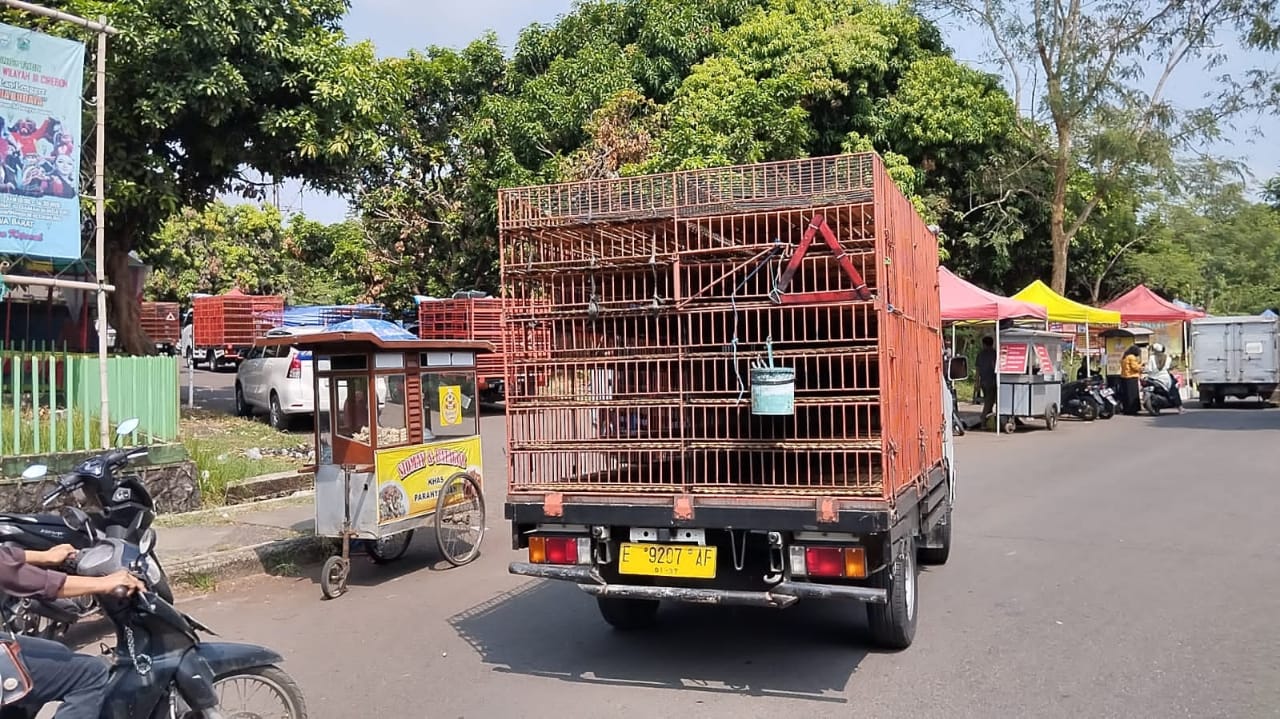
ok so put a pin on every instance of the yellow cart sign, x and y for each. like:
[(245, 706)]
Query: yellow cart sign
[(410, 478)]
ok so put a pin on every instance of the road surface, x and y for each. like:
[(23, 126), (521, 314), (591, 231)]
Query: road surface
[(1116, 569)]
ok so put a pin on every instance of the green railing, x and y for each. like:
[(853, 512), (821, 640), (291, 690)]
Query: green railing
[(51, 401)]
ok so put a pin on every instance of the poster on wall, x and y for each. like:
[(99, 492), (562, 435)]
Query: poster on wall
[(41, 83), (1013, 358)]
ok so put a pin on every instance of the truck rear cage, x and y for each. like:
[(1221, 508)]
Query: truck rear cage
[(660, 294)]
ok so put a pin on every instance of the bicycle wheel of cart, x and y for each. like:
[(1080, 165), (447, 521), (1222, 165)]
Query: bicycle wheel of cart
[(460, 519), (333, 577), (389, 549)]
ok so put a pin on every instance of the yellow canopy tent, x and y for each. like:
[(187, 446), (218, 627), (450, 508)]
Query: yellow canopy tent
[(1061, 309)]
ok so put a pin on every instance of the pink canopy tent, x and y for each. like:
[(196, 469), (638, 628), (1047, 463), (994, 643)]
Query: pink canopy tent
[(966, 302), (1142, 305)]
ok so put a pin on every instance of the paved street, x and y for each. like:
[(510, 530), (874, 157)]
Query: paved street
[(214, 391), (1119, 569)]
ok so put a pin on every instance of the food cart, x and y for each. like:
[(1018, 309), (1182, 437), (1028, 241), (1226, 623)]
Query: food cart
[(1029, 370), (1115, 342), (378, 481)]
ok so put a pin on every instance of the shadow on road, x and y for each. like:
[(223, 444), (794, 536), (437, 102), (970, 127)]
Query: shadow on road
[(1234, 417), (549, 629)]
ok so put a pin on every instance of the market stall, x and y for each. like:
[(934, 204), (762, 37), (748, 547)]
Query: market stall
[(1061, 309), (965, 302), (397, 429), (1167, 321), (1029, 368)]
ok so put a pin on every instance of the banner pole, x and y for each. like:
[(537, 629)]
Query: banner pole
[(100, 231)]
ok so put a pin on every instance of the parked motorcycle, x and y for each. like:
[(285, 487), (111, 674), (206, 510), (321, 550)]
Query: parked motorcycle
[(1080, 399), (161, 667), (125, 511), (1104, 397), (1156, 395)]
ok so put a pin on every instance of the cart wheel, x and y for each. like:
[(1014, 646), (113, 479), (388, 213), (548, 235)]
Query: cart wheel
[(333, 578), (460, 519), (1010, 425), (1051, 417), (389, 549)]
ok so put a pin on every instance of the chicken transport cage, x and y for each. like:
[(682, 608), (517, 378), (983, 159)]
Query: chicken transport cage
[(763, 330)]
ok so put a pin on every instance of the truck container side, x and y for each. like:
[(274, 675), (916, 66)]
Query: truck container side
[(676, 303), (1235, 357)]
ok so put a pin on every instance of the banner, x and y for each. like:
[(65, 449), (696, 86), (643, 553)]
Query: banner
[(41, 81), (410, 478), (1013, 359)]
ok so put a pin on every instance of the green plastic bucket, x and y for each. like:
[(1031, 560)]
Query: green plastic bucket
[(773, 391)]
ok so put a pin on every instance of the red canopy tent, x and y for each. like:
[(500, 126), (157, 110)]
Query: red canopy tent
[(966, 302), (1142, 305)]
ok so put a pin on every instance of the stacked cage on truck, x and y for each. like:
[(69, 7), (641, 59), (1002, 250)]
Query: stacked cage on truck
[(234, 319), (663, 292), (479, 319), (162, 321)]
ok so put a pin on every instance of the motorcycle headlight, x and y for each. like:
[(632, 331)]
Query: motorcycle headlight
[(152, 571)]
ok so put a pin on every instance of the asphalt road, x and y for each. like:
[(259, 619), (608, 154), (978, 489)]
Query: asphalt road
[(214, 391), (1116, 569)]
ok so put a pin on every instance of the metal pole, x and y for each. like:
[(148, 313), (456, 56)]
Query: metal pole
[(100, 27), (100, 229), (1088, 369), (997, 403), (191, 382), (55, 282)]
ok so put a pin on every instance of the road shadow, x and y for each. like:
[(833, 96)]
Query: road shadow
[(1234, 417), (553, 630), (423, 554)]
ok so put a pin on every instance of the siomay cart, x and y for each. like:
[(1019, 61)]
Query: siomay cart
[(397, 443)]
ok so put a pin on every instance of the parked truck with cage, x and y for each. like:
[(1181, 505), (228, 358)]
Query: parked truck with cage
[(744, 395), (162, 323), (475, 316), (220, 329)]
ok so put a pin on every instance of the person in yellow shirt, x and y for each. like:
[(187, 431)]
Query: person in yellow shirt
[(1130, 376)]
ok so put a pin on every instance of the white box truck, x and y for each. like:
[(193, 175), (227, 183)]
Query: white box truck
[(1235, 357)]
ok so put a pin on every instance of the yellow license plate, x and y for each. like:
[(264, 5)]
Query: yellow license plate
[(687, 561)]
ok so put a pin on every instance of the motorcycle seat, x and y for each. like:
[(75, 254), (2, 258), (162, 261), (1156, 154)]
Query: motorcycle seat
[(39, 519)]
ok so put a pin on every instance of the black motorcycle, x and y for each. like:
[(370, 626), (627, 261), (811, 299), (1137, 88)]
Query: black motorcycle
[(1103, 396), (126, 511), (161, 669), (1080, 399)]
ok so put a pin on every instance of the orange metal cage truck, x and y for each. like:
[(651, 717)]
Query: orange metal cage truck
[(744, 395)]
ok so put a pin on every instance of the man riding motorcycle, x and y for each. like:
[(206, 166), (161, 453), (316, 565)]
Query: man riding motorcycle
[(58, 674), (1158, 365)]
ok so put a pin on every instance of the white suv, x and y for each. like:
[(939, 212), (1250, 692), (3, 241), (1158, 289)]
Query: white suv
[(277, 380)]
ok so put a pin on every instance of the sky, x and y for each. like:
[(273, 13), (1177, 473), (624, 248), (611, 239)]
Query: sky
[(396, 26)]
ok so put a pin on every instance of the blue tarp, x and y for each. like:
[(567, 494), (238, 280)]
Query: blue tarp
[(319, 315), (1269, 314), (383, 330)]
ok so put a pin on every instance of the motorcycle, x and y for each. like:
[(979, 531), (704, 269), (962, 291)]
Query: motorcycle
[(127, 511), (1104, 397), (1081, 399), (161, 668), (1156, 395)]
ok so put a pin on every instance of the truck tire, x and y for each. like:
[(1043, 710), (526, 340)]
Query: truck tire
[(628, 614), (940, 535), (893, 624)]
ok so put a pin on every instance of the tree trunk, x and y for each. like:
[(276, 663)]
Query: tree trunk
[(1058, 213), (125, 315)]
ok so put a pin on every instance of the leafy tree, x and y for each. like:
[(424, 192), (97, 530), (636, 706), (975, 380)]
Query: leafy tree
[(200, 90), (1078, 70)]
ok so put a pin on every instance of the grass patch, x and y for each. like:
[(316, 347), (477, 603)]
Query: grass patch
[(199, 581), (52, 428), (226, 451)]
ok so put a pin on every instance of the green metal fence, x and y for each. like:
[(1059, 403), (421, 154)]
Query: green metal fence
[(51, 401)]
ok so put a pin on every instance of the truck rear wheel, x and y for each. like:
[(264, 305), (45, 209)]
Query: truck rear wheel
[(893, 625), (628, 614)]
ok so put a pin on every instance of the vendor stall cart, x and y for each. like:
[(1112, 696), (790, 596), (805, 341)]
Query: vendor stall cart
[(1030, 377), (380, 480)]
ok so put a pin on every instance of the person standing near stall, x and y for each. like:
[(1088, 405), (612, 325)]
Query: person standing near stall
[(1130, 378)]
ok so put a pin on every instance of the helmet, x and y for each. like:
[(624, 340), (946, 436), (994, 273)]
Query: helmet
[(1157, 348)]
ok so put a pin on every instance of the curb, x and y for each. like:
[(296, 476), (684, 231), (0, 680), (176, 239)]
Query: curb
[(267, 486), (265, 558)]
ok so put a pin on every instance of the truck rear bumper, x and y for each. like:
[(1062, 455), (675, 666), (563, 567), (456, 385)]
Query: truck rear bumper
[(782, 595)]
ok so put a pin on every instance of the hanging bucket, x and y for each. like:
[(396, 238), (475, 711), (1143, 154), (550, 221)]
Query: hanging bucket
[(773, 391)]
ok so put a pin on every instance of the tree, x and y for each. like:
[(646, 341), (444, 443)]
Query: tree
[(201, 90), (1078, 71)]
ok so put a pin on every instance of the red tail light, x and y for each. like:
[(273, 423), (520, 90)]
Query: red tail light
[(558, 550), (295, 368), (824, 561)]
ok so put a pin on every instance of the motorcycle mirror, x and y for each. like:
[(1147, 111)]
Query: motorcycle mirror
[(34, 472), (76, 519), (958, 368), (127, 427), (147, 542)]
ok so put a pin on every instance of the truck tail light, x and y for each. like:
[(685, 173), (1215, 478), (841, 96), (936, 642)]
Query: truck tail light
[(295, 368), (846, 562), (559, 550)]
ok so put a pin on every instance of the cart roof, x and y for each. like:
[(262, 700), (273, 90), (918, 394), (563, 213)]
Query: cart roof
[(373, 334), (1019, 333), (1127, 332)]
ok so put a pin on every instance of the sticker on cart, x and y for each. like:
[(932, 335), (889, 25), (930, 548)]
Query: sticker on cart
[(1046, 362), (1013, 359), (450, 405)]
